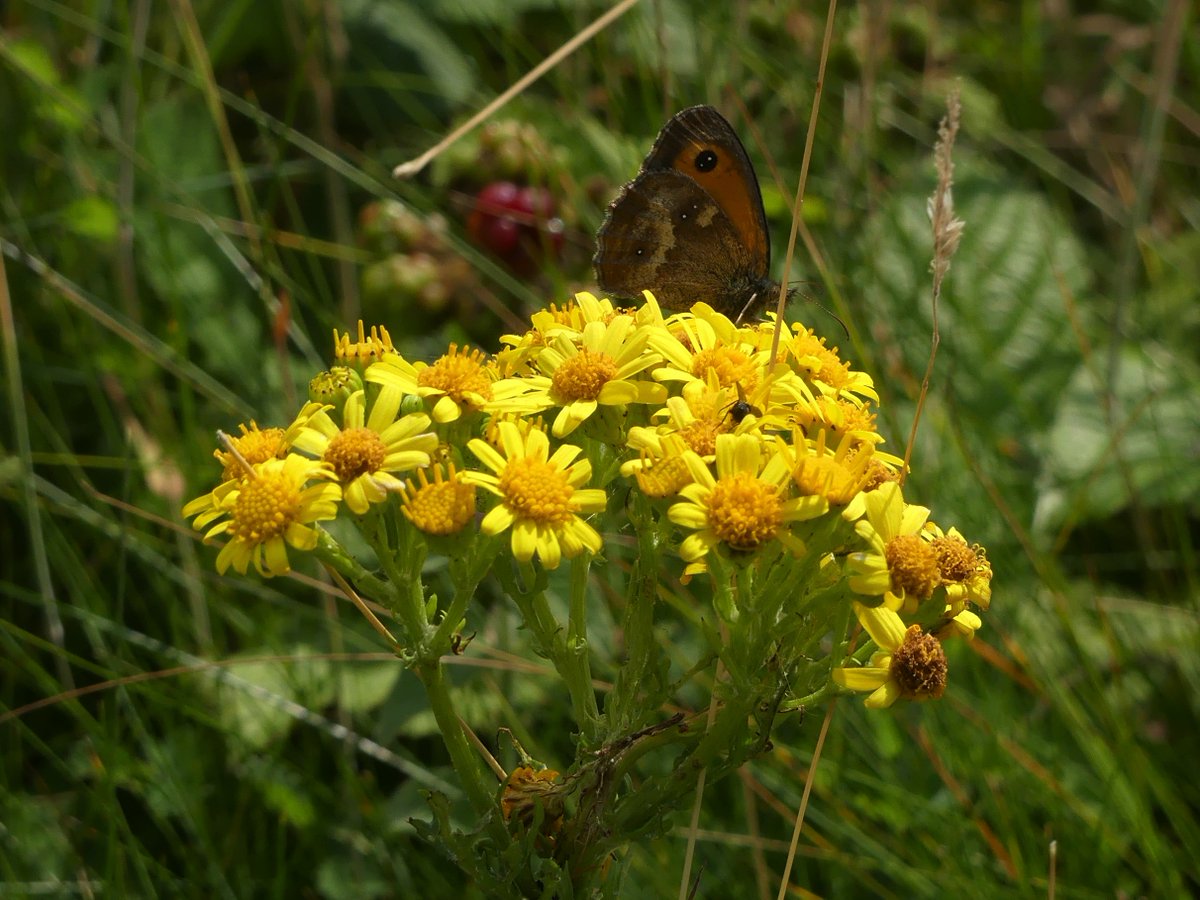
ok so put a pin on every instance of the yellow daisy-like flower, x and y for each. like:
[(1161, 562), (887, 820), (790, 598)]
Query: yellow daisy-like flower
[(365, 451), (696, 345), (521, 350), (839, 416), (270, 508), (838, 476), (458, 383), (808, 355), (908, 664), (540, 495), (443, 506), (254, 445), (965, 569), (366, 349), (579, 376), (660, 468), (899, 565), (745, 505), (704, 411)]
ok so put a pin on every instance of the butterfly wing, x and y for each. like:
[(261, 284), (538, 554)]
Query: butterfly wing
[(665, 233), (691, 226), (699, 143)]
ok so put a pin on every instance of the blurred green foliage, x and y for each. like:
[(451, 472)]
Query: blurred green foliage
[(179, 186)]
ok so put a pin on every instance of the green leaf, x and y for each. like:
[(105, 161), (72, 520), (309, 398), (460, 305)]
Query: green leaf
[(410, 26), (1098, 460), (1007, 341), (363, 687), (93, 217)]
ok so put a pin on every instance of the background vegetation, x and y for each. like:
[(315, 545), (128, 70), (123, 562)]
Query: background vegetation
[(182, 189)]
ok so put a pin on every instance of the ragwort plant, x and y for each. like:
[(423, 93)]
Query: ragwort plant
[(668, 449)]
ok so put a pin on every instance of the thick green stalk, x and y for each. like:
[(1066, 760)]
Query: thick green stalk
[(637, 626), (576, 668), (478, 784)]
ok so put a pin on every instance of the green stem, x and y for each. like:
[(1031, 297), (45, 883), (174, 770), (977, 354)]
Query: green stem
[(403, 569), (576, 666), (480, 791), (637, 627), (816, 698), (466, 581), (332, 554)]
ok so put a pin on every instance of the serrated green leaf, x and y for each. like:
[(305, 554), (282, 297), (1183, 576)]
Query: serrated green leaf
[(1007, 341)]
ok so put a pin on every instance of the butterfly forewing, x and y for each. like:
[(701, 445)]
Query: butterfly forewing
[(690, 226)]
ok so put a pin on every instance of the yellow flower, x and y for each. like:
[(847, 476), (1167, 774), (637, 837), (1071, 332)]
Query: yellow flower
[(443, 506), (839, 416), (899, 565), (366, 349), (579, 375), (838, 476), (808, 355), (365, 451), (965, 569), (458, 383), (696, 345), (540, 495), (254, 445), (908, 664), (267, 510), (704, 411), (660, 468), (745, 505)]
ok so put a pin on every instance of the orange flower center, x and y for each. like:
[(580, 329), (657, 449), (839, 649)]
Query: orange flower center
[(354, 452), (731, 365), (459, 375), (581, 376), (744, 512), (956, 560), (919, 665), (536, 490), (264, 508), (913, 565)]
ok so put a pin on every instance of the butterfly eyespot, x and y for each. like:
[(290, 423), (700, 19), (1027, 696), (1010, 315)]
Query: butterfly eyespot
[(706, 161)]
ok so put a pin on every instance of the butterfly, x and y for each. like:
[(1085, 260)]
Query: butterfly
[(691, 225)]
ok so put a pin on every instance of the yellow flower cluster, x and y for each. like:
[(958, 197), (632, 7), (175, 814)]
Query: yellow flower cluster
[(748, 455)]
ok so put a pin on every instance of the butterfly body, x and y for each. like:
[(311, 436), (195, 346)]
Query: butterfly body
[(690, 227)]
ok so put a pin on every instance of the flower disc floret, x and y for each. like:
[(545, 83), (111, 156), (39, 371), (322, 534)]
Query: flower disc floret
[(366, 450), (443, 506)]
